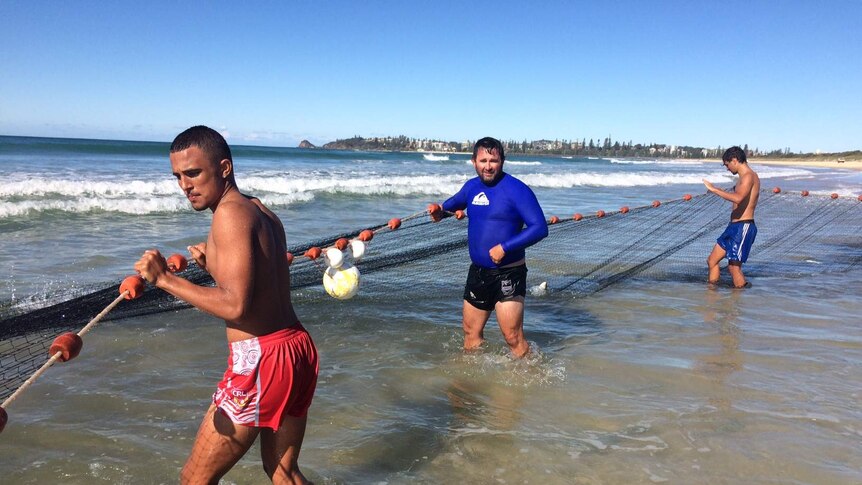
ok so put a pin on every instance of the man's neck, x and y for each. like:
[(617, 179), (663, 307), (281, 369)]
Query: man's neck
[(229, 189)]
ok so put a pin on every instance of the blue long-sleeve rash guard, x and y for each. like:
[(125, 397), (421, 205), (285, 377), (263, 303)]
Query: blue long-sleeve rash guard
[(497, 214)]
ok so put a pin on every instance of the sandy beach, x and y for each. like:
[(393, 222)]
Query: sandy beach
[(849, 163)]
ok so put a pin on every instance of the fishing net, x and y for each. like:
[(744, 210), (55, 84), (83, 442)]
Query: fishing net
[(797, 236)]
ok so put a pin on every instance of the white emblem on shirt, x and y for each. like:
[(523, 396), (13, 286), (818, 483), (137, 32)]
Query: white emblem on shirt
[(480, 199)]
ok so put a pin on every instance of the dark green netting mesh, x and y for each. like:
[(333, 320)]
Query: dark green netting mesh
[(797, 236)]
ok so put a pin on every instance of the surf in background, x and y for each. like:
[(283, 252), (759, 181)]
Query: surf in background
[(651, 378)]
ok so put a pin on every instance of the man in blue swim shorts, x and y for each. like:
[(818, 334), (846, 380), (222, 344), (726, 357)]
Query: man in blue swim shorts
[(504, 219), (735, 242)]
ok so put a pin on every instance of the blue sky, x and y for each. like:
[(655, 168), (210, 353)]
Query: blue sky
[(769, 74)]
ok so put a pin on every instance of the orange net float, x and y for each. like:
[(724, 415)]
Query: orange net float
[(394, 223), (804, 193), (342, 243), (600, 214), (776, 190), (834, 195), (578, 216), (624, 209), (366, 235), (134, 285), (553, 220), (435, 210), (69, 345), (459, 214), (289, 257), (177, 263), (686, 197), (313, 253), (859, 198), (656, 203)]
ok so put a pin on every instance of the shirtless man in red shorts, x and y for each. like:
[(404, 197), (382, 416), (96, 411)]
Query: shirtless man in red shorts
[(245, 254)]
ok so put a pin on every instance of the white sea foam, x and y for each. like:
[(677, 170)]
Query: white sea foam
[(435, 158), (35, 195), (41, 186), (622, 179), (140, 205), (39, 193), (358, 185), (643, 179), (680, 163), (519, 162)]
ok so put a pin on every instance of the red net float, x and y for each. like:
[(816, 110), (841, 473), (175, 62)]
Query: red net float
[(134, 285), (366, 235), (834, 195), (686, 197), (554, 220), (776, 190), (624, 209), (177, 263), (289, 257), (600, 214), (656, 203), (342, 243), (394, 223), (68, 345), (312, 253), (578, 216), (804, 193)]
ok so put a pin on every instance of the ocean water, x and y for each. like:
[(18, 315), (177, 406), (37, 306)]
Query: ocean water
[(643, 382)]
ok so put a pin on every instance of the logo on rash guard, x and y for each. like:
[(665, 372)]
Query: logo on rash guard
[(480, 199)]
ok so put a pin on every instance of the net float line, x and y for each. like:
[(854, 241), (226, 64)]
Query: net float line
[(800, 235), (341, 277), (658, 203), (366, 235), (600, 214), (68, 345), (437, 213)]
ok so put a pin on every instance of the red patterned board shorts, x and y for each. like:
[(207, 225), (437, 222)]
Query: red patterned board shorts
[(268, 376)]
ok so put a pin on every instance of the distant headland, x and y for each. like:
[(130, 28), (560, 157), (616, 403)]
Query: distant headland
[(577, 148)]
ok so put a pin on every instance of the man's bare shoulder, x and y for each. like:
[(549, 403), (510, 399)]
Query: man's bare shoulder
[(263, 209), (278, 227), (235, 210), (748, 177), (257, 203)]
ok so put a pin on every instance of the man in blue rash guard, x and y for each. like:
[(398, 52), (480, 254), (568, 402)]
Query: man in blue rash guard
[(504, 219)]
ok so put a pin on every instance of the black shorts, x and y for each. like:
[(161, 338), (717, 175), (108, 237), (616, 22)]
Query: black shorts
[(485, 287)]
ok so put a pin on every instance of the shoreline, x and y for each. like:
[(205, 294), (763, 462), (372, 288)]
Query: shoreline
[(854, 164)]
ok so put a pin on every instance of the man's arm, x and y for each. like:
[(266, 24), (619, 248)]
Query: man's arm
[(457, 201), (741, 191), (452, 204), (534, 219), (232, 234)]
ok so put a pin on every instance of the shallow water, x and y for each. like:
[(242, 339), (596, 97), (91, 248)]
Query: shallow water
[(637, 384), (643, 382)]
